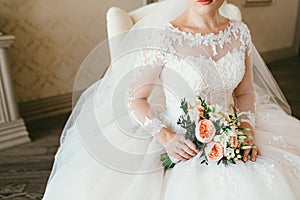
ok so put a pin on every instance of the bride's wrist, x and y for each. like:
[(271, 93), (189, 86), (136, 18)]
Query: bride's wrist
[(165, 136), (250, 130)]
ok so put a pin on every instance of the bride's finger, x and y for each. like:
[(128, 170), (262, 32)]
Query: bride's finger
[(183, 154), (187, 149), (179, 157), (246, 153), (191, 145), (258, 152), (253, 154)]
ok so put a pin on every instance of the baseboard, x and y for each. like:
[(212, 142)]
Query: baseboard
[(13, 133), (46, 107), (279, 54)]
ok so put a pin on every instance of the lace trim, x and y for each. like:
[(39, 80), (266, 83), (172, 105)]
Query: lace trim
[(248, 117), (152, 125), (171, 123), (236, 30)]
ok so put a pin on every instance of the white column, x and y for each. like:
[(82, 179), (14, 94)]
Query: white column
[(12, 128)]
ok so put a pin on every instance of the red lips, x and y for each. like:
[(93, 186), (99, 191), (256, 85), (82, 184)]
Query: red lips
[(204, 2)]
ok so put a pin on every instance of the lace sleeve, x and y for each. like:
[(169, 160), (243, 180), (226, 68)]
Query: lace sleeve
[(245, 38), (145, 75), (244, 94)]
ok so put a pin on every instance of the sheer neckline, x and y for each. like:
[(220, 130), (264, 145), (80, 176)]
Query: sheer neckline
[(234, 30), (198, 34)]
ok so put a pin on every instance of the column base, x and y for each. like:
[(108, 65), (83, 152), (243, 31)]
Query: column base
[(13, 133)]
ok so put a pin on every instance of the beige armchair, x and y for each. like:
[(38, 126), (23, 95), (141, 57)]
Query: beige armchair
[(119, 21)]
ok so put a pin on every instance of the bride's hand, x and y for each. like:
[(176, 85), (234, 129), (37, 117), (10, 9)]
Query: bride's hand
[(252, 153), (176, 145)]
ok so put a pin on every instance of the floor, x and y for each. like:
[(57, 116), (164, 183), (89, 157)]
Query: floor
[(24, 169)]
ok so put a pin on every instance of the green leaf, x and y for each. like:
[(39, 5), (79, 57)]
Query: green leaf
[(239, 115), (225, 162), (248, 147), (184, 105), (166, 161), (188, 118), (244, 129)]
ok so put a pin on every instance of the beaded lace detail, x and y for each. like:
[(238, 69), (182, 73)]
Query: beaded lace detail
[(236, 30)]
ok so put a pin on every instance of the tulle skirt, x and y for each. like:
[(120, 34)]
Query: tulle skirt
[(275, 174)]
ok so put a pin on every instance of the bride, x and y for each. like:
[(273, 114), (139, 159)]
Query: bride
[(112, 142)]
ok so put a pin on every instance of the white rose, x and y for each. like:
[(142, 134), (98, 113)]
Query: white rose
[(229, 153), (225, 123), (223, 139), (215, 117)]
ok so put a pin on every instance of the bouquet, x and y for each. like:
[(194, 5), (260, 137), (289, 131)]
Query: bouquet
[(216, 134)]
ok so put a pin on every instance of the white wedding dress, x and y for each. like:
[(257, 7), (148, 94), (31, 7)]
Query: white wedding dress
[(212, 66)]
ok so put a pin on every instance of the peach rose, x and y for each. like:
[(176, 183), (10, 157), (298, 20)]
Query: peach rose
[(205, 131), (233, 141), (201, 111), (214, 151)]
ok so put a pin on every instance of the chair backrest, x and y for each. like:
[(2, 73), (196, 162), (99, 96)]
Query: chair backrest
[(119, 21)]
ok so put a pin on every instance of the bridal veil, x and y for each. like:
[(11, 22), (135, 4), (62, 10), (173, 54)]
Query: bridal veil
[(100, 117)]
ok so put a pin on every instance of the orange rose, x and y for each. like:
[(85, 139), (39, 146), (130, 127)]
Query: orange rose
[(214, 151), (205, 131), (233, 141), (201, 111)]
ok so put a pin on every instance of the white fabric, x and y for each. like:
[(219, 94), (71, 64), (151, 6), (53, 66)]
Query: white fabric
[(231, 11), (118, 21), (104, 154)]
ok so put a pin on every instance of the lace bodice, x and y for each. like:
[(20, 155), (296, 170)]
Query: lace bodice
[(212, 80), (187, 64)]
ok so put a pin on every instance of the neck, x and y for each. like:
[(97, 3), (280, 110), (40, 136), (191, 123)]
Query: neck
[(203, 21)]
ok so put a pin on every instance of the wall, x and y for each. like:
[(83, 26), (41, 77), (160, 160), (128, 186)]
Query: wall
[(52, 39), (273, 27), (54, 36)]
